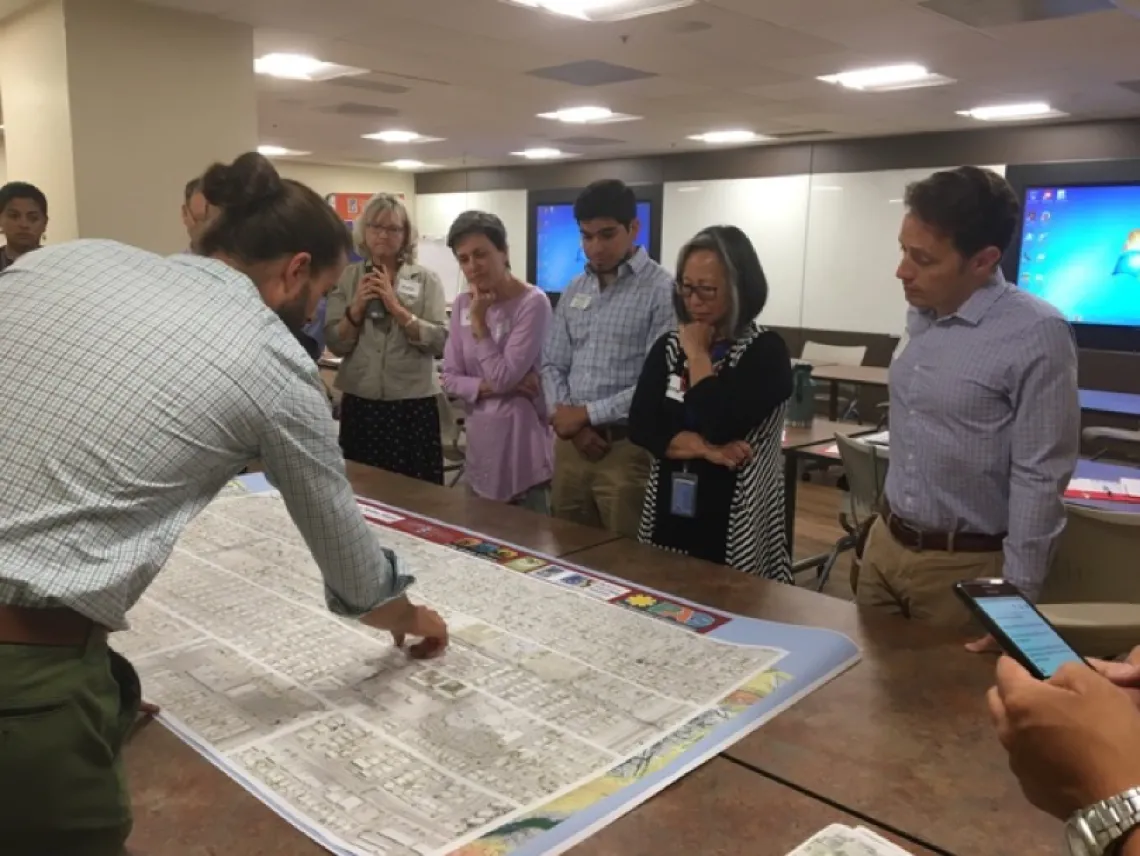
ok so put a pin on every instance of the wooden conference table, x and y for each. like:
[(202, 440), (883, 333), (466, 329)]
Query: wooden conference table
[(901, 742)]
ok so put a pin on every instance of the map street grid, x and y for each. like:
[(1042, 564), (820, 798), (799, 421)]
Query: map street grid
[(549, 700)]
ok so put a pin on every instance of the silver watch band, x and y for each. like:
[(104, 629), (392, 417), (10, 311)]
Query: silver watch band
[(1100, 826)]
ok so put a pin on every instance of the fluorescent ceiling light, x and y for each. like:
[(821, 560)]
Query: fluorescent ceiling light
[(301, 67), (887, 78), (279, 152), (587, 115), (396, 136), (1011, 112), (540, 154), (603, 10), (729, 136), (405, 163)]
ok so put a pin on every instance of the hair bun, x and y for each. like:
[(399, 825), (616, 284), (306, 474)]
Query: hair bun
[(246, 183)]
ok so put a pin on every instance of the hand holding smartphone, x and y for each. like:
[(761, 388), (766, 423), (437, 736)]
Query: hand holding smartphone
[(1024, 633)]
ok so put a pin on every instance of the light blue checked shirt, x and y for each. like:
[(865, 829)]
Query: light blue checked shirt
[(137, 387), (985, 425), (599, 339)]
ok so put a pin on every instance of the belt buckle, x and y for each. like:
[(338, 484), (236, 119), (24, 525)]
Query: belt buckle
[(906, 527)]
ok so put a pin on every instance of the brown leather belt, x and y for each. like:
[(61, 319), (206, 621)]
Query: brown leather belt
[(613, 433), (914, 538), (21, 625)]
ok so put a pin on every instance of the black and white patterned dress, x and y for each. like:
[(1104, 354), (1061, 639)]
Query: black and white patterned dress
[(739, 518)]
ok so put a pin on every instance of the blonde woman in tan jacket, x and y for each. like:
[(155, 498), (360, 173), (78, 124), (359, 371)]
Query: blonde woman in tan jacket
[(387, 318)]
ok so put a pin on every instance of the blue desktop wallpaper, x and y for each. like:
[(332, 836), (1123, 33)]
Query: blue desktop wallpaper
[(1080, 251), (558, 251)]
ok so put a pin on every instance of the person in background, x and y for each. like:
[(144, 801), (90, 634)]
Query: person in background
[(23, 219), (127, 446), (710, 409), (1074, 746), (604, 325), (492, 364), (387, 318), (196, 211), (984, 418)]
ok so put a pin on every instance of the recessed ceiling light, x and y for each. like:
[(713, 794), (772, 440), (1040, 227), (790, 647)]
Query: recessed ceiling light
[(729, 136), (540, 154), (604, 10), (396, 136), (587, 115), (887, 78), (1011, 112), (280, 152), (301, 67), (405, 163)]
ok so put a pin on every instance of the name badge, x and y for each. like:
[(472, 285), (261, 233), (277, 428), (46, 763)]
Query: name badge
[(409, 289), (580, 301), (465, 318), (683, 497), (673, 388), (500, 331)]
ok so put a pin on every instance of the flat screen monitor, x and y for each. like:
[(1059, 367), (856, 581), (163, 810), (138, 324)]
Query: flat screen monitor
[(1080, 251), (558, 244)]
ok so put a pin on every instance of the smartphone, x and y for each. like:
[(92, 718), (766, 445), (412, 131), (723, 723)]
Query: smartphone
[(375, 310), (1023, 632)]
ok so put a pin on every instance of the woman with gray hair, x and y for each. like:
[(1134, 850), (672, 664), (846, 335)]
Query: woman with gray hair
[(387, 318), (492, 365), (709, 407)]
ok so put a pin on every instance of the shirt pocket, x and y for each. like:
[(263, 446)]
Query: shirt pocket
[(410, 293)]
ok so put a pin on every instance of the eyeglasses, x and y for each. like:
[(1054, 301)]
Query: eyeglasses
[(705, 292), (391, 231)]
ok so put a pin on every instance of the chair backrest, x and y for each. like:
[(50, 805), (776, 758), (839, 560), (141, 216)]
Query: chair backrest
[(865, 466), (836, 355), (1095, 560)]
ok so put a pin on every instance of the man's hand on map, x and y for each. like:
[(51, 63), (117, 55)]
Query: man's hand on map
[(402, 619)]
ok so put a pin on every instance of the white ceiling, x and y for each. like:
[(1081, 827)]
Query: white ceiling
[(457, 69)]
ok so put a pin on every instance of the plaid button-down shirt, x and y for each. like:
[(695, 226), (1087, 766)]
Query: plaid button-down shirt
[(599, 338), (985, 425), (134, 388)]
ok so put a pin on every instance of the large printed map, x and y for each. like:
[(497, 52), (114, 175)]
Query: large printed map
[(565, 698)]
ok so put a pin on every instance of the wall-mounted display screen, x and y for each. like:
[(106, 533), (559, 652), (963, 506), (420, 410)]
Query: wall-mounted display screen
[(558, 245), (1080, 251)]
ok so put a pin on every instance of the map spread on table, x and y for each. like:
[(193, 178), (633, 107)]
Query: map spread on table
[(566, 697)]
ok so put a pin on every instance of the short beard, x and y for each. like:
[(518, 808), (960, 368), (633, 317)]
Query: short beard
[(295, 313)]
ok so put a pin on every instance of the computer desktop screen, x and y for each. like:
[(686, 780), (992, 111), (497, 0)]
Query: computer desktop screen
[(1080, 251), (558, 244)]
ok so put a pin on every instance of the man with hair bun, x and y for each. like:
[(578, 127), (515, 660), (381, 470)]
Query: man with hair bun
[(167, 376)]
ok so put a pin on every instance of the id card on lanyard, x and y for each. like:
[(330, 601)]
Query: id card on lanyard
[(683, 485)]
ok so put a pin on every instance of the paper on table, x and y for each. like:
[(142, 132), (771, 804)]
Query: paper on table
[(839, 840), (882, 438)]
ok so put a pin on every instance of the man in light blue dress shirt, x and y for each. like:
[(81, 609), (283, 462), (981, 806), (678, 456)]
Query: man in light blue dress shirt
[(985, 424), (603, 328)]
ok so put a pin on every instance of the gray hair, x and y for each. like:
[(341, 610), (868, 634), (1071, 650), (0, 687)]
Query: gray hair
[(711, 240), (376, 206)]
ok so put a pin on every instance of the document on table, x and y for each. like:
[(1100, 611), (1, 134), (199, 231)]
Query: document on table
[(881, 438), (1124, 488), (839, 840)]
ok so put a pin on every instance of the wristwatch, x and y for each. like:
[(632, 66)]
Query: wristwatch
[(1094, 831)]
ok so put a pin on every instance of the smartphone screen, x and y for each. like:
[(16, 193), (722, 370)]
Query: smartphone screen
[(1027, 629)]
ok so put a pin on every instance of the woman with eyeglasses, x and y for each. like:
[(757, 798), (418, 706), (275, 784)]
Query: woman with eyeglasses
[(387, 318), (709, 407)]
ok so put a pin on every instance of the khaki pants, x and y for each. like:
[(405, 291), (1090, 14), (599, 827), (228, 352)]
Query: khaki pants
[(607, 494), (64, 715), (919, 585)]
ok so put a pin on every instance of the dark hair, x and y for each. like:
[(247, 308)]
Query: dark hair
[(478, 223), (192, 187), (606, 199), (22, 190), (263, 216), (976, 208), (747, 285)]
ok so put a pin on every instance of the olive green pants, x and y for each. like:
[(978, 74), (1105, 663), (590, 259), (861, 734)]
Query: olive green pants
[(64, 715)]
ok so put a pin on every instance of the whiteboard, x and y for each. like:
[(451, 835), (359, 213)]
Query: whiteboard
[(435, 255), (771, 211)]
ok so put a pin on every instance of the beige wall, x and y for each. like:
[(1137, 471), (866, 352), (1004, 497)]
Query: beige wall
[(3, 167), (326, 179)]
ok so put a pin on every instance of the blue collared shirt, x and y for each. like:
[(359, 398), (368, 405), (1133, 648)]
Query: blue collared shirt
[(985, 424), (599, 338)]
